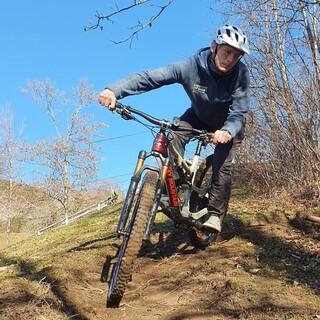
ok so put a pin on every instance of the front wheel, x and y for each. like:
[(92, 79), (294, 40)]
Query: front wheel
[(131, 243)]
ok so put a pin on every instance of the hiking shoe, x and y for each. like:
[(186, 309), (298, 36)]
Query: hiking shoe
[(213, 223)]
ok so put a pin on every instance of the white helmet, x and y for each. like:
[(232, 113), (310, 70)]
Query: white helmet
[(234, 37)]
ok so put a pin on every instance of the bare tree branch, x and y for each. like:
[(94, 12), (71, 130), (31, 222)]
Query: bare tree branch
[(10, 152), (138, 28), (70, 158), (100, 17), (284, 143)]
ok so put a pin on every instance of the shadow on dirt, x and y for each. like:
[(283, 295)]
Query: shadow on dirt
[(88, 245), (27, 270), (278, 259), (167, 240), (308, 228), (282, 256), (264, 308), (294, 262)]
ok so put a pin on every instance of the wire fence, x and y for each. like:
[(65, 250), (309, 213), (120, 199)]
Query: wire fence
[(84, 212)]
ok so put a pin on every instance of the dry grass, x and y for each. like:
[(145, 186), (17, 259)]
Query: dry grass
[(263, 267)]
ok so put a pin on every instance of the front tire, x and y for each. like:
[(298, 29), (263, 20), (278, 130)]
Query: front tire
[(131, 244)]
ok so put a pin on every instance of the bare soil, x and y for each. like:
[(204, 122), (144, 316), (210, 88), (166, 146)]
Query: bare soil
[(262, 270)]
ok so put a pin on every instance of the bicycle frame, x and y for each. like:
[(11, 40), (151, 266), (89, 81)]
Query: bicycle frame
[(159, 150)]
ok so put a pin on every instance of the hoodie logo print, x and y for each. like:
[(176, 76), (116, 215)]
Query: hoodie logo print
[(199, 89)]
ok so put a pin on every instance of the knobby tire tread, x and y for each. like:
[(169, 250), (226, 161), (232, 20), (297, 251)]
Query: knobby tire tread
[(146, 198)]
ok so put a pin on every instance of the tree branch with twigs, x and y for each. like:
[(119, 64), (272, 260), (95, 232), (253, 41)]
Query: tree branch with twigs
[(11, 157), (70, 157), (136, 29), (285, 77)]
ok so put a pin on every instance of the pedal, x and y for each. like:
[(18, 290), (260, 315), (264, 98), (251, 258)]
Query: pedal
[(197, 215)]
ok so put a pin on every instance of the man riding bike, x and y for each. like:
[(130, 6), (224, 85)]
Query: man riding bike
[(217, 83)]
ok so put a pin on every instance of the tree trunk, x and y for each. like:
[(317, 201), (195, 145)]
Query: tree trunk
[(9, 213), (66, 191)]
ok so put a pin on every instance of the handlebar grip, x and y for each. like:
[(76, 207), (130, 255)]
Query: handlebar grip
[(124, 111), (119, 105)]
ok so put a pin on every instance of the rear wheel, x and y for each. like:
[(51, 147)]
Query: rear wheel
[(200, 239), (130, 246), (203, 181)]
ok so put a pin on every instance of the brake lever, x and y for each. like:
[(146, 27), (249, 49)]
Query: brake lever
[(125, 114), (206, 138)]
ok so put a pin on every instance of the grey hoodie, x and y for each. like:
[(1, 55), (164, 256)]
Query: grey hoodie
[(219, 100)]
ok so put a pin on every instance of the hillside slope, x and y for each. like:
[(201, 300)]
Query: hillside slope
[(32, 208), (264, 266)]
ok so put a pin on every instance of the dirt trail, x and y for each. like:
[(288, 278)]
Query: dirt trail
[(262, 271), (250, 274)]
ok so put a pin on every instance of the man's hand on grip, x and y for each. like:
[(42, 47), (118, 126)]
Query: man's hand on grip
[(221, 136), (108, 99)]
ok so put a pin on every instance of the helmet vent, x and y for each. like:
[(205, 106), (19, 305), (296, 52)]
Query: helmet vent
[(234, 37)]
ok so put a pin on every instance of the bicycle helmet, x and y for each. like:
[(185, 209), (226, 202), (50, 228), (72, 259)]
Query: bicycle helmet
[(234, 37)]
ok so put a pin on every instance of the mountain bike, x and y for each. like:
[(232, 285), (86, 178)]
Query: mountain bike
[(172, 185)]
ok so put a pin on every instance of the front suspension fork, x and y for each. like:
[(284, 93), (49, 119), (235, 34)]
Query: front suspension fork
[(130, 195)]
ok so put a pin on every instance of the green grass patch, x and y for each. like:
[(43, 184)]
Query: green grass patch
[(241, 193), (65, 248)]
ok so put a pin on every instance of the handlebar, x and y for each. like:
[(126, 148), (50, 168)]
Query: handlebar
[(126, 113)]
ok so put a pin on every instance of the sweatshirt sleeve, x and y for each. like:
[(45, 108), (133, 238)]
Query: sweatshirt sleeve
[(150, 79), (240, 104)]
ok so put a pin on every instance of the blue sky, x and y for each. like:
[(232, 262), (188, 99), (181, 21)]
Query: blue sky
[(46, 40)]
